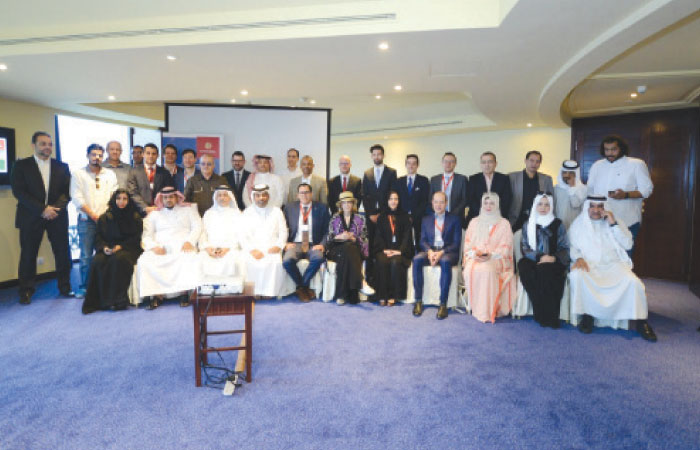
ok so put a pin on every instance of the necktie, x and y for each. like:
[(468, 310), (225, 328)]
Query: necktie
[(345, 184), (376, 176), (305, 233), (238, 178), (410, 185), (151, 171)]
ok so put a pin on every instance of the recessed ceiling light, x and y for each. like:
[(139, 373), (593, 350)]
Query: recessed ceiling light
[(529, 125), (383, 46), (398, 87), (3, 67), (633, 95), (111, 98), (378, 97), (170, 58), (244, 92), (233, 100), (313, 102)]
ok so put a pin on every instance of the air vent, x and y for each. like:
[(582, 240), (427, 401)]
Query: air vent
[(201, 29), (406, 127)]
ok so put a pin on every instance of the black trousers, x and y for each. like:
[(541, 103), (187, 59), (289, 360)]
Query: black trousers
[(544, 284), (30, 239), (348, 270), (390, 277), (369, 264)]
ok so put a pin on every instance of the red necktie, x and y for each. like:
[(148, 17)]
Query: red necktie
[(151, 171), (345, 184)]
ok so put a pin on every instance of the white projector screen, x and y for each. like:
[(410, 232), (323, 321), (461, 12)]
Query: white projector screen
[(270, 130)]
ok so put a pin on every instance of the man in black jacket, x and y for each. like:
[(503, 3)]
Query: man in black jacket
[(41, 186), (237, 177), (488, 180), (414, 194), (454, 185), (343, 182), (146, 181)]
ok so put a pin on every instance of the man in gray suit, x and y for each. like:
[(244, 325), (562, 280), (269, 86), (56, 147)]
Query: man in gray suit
[(524, 186), (318, 185), (454, 186), (146, 181)]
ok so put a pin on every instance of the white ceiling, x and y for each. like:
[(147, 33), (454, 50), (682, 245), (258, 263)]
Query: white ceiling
[(464, 65)]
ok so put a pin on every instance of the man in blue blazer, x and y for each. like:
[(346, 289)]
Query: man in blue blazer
[(439, 245), (454, 185), (308, 226), (41, 186), (414, 194)]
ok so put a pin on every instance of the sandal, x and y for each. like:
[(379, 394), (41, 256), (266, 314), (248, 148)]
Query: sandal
[(382, 302), (392, 302)]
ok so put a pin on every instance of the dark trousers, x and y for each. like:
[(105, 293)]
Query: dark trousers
[(634, 229), (390, 277), (447, 261), (348, 270), (30, 239), (292, 257), (544, 284), (369, 263)]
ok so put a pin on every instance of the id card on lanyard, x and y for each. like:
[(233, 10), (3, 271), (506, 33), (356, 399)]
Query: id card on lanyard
[(393, 229)]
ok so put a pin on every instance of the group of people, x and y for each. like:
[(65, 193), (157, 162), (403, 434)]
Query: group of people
[(186, 226)]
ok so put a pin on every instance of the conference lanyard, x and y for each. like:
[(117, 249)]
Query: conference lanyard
[(440, 228), (304, 216), (393, 228), (446, 185)]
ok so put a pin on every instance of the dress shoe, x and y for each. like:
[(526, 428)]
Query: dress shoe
[(418, 309), (25, 298), (586, 324), (442, 312), (310, 293), (302, 294), (645, 330), (152, 303), (67, 293)]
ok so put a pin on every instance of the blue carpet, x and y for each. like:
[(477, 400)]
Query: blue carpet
[(357, 377)]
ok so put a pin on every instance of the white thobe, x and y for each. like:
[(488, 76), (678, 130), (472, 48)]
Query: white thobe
[(287, 176), (219, 230), (568, 201), (628, 174), (175, 271), (264, 228), (276, 191), (609, 291)]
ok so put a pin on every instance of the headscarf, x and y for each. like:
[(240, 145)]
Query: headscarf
[(394, 212), (227, 189), (538, 219), (124, 217), (583, 235), (250, 182), (488, 219), (259, 188), (570, 166), (169, 190)]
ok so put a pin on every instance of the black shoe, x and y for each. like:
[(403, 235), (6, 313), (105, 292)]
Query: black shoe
[(418, 309), (645, 330), (442, 312), (66, 293), (184, 300), (153, 303), (586, 324), (25, 298)]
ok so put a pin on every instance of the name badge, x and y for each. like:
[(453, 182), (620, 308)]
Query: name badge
[(393, 239), (305, 227)]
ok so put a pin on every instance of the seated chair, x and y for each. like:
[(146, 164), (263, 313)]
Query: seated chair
[(317, 282)]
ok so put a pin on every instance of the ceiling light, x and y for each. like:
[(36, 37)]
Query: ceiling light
[(529, 125), (398, 87), (244, 92), (378, 97), (383, 46), (111, 98), (233, 100), (3, 67), (313, 102), (641, 89), (170, 58), (633, 95)]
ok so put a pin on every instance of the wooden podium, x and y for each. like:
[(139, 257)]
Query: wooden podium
[(205, 306)]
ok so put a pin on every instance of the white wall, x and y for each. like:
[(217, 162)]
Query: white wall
[(509, 146)]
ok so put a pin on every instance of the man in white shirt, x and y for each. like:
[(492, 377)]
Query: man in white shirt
[(602, 284), (263, 238), (90, 190), (169, 263), (318, 184), (624, 180), (293, 170)]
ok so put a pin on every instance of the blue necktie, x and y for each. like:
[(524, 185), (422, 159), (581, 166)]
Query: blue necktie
[(410, 185)]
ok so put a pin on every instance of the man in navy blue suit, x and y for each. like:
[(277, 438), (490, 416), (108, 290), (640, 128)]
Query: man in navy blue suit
[(439, 245), (308, 226), (414, 194)]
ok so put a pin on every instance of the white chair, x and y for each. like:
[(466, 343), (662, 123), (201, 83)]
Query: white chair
[(329, 282), (317, 282), (522, 306), (431, 287)]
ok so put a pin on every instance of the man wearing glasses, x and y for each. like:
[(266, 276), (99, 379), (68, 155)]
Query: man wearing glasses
[(90, 190)]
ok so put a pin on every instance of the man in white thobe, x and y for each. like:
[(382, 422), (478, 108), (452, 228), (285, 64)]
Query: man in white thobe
[(263, 238), (291, 171), (602, 284), (169, 263), (569, 193), (263, 175), (220, 248)]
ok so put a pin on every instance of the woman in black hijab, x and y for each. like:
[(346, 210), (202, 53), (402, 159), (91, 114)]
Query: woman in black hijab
[(392, 250), (118, 246)]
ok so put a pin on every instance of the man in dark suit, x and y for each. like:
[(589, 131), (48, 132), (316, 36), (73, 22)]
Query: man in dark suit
[(376, 184), (189, 169), (307, 222), (41, 186), (145, 181), (524, 185), (414, 194), (440, 238), (237, 177), (170, 155), (343, 182), (454, 186), (488, 180)]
